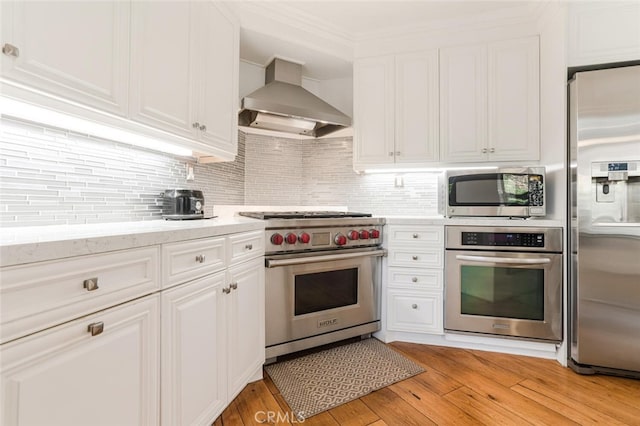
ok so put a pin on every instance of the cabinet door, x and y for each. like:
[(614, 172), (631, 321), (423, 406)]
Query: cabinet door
[(78, 50), (246, 323), (193, 352), (66, 376), (417, 105), (514, 93), (463, 103), (163, 60), (374, 110), (219, 53), (414, 311)]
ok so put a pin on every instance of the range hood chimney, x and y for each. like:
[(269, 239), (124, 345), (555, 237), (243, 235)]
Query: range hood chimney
[(283, 105)]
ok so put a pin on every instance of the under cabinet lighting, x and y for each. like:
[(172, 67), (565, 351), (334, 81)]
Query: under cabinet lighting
[(13, 108), (426, 169)]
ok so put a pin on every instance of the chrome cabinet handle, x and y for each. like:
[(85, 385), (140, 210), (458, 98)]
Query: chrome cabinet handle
[(414, 279), (203, 128), (390, 153), (96, 328), (249, 246), (492, 150), (200, 258), (233, 286), (226, 290), (414, 306), (484, 150), (10, 50), (415, 235), (397, 153), (196, 125), (414, 257), (91, 284)]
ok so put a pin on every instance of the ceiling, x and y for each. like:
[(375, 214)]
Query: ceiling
[(345, 23)]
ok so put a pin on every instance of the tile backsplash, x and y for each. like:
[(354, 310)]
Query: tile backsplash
[(51, 176)]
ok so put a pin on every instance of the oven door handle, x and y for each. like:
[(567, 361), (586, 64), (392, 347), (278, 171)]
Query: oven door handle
[(509, 260), (274, 263)]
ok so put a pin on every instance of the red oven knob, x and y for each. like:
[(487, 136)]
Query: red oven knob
[(374, 233), (340, 240), (291, 238), (277, 239), (353, 235), (304, 238), (364, 234)]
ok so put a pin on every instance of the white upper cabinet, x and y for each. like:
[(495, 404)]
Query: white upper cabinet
[(603, 32), (373, 110), (166, 69), (514, 100), (77, 50), (184, 70), (490, 102), (463, 102), (396, 110), (163, 65)]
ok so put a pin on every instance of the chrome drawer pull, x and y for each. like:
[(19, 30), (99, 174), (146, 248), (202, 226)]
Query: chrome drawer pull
[(200, 258), (414, 279), (414, 257), (415, 235), (226, 290), (96, 328), (414, 306), (233, 286), (91, 284), (10, 50), (249, 246)]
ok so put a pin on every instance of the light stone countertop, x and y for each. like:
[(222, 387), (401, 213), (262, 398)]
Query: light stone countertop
[(39, 243)]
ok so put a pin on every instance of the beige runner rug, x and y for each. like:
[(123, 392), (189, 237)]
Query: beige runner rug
[(319, 381)]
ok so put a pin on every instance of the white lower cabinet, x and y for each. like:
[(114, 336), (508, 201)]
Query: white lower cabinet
[(113, 344), (413, 301), (212, 342), (193, 351), (245, 324), (414, 311), (67, 376)]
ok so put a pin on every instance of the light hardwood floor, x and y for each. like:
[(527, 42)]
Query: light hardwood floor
[(463, 387)]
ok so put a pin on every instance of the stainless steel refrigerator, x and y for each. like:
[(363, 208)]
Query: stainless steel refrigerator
[(604, 218)]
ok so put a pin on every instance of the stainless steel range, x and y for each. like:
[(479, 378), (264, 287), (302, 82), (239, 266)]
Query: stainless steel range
[(323, 276)]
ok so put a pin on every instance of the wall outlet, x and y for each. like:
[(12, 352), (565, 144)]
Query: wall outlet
[(190, 173)]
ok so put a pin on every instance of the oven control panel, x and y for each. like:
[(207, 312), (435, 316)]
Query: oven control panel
[(292, 240), (509, 239)]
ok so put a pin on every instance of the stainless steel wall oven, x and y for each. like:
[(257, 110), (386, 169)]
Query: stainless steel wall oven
[(323, 277), (504, 281)]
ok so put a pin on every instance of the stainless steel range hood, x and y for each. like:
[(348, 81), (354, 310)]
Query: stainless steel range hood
[(283, 105)]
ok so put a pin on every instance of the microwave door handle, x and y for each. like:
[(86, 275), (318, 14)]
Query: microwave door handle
[(508, 260)]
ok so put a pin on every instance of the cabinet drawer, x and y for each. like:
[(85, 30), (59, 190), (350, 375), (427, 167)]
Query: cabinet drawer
[(416, 258), (414, 312), (245, 246), (187, 260), (422, 279), (40, 295), (423, 236)]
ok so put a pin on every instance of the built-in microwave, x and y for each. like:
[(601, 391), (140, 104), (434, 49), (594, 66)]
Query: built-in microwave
[(503, 192)]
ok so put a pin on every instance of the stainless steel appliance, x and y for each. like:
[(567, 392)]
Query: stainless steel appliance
[(323, 276), (505, 192), (505, 281), (604, 216), (182, 204), (282, 104)]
